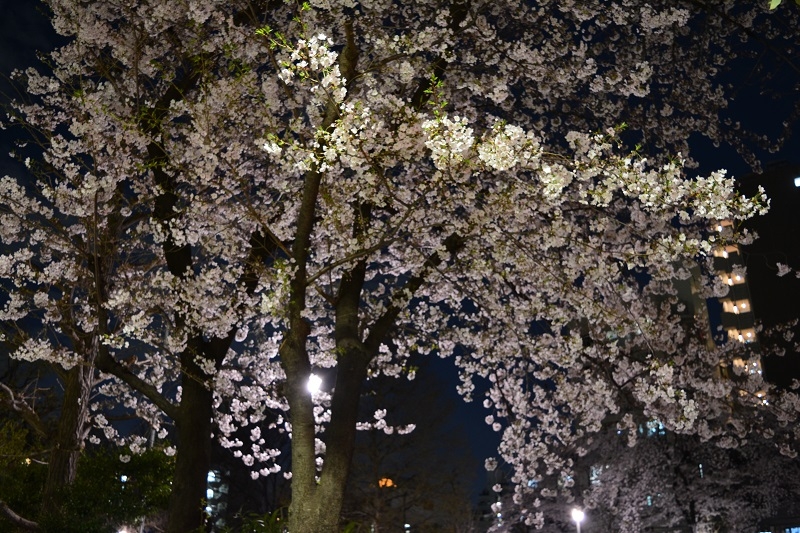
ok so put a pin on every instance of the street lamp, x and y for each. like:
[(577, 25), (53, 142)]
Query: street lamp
[(578, 516), (314, 384)]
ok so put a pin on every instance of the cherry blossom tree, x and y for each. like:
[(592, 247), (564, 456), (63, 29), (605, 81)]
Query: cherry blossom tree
[(232, 196), (666, 481), (677, 480)]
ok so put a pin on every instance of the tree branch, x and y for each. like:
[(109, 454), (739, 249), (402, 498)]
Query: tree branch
[(109, 365), (16, 519), (25, 410), (384, 323)]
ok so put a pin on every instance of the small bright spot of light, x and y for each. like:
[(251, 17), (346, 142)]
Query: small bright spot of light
[(123, 478), (314, 383), (797, 181), (577, 516)]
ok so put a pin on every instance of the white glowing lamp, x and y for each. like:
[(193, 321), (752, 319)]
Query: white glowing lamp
[(314, 383), (578, 516)]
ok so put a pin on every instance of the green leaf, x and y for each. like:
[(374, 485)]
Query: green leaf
[(775, 3)]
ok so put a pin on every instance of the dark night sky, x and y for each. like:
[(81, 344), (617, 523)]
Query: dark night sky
[(24, 29)]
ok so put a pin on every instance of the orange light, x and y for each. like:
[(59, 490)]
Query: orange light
[(385, 482)]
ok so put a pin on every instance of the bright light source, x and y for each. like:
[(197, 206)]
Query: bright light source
[(314, 383), (123, 478), (577, 516), (797, 182)]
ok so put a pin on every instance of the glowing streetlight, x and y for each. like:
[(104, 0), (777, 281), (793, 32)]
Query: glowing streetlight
[(578, 516), (314, 384)]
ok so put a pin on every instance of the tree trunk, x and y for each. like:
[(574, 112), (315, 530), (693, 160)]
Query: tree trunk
[(68, 444), (316, 514), (317, 506), (193, 460)]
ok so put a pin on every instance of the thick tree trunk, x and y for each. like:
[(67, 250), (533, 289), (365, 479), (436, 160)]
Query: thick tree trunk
[(316, 514), (193, 460), (68, 444), (317, 505)]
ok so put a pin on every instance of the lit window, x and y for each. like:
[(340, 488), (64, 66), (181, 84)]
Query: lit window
[(594, 475), (732, 279), (745, 335), (736, 306), (725, 251), (723, 224)]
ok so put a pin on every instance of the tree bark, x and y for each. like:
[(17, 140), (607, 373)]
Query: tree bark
[(316, 506), (16, 519), (193, 460), (68, 445)]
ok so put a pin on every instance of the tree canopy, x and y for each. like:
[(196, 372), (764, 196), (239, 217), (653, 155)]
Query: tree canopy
[(229, 196)]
